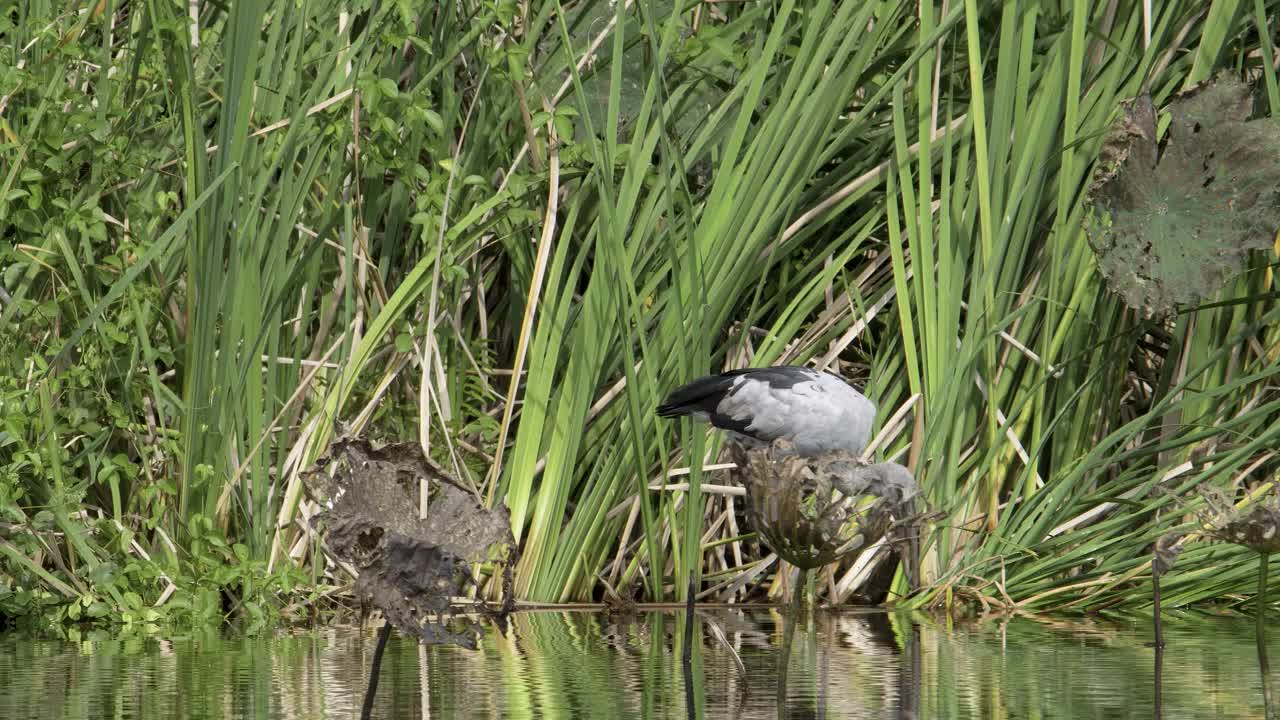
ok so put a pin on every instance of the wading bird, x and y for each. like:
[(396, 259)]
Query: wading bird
[(816, 411)]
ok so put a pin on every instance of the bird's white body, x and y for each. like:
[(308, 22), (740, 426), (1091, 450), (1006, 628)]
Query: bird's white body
[(816, 411)]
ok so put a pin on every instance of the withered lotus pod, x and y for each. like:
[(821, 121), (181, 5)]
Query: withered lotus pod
[(1255, 526), (1258, 529), (815, 510)]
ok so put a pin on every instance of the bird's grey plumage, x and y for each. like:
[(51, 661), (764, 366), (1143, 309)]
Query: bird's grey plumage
[(888, 480), (817, 411)]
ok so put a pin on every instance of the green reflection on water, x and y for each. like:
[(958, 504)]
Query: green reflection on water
[(584, 665)]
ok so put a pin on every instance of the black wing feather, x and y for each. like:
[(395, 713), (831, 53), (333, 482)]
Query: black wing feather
[(704, 394), (701, 395)]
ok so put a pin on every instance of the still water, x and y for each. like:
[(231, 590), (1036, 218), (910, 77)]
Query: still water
[(586, 665)]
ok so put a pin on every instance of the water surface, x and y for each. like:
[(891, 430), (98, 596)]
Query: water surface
[(586, 665)]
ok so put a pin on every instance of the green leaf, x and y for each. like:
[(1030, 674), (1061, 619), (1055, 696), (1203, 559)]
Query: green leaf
[(434, 120), (564, 127), (103, 574), (98, 609)]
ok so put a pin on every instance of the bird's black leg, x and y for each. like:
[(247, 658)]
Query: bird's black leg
[(384, 634)]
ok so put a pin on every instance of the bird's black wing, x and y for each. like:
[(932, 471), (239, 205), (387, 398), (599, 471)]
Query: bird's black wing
[(703, 396)]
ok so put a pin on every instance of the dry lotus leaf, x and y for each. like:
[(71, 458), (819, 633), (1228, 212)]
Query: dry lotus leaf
[(1170, 225), (410, 568)]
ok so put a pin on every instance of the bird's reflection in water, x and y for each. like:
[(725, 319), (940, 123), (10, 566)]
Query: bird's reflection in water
[(831, 651), (910, 676)]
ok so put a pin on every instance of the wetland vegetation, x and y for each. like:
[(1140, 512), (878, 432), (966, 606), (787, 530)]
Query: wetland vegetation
[(234, 232)]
